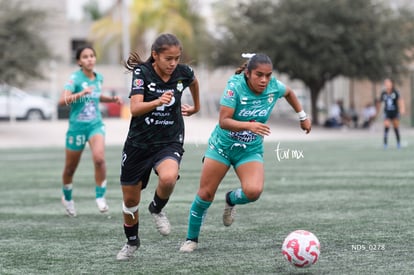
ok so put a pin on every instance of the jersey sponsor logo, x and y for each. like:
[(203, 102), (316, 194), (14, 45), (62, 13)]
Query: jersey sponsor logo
[(148, 120), (88, 112), (151, 86), (153, 121), (253, 112), (243, 136), (163, 122), (243, 100), (161, 114), (137, 71), (229, 94), (162, 107), (161, 91), (138, 84)]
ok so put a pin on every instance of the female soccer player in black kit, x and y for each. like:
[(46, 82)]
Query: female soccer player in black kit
[(156, 133), (393, 108)]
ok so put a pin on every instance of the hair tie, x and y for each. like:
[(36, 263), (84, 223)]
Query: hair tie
[(247, 55)]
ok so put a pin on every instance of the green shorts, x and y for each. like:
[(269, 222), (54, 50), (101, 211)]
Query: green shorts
[(235, 155), (76, 139)]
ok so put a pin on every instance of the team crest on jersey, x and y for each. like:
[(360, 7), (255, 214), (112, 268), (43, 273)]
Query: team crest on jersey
[(270, 99), (180, 86), (138, 83), (229, 94), (84, 85)]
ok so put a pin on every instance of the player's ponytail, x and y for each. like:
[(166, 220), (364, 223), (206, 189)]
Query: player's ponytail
[(241, 69), (133, 60), (162, 43)]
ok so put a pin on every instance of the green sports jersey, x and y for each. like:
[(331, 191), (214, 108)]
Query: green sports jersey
[(84, 111), (165, 124), (247, 106)]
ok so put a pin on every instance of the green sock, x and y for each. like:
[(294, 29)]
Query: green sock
[(238, 197), (100, 190), (67, 191), (198, 211)]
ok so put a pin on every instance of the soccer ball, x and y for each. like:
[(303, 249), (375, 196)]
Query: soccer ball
[(301, 248)]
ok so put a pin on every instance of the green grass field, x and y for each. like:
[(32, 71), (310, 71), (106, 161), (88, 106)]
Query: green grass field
[(354, 196)]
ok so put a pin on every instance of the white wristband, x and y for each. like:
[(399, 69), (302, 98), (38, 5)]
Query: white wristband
[(302, 115)]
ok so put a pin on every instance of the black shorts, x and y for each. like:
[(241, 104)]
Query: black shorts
[(391, 115), (137, 163)]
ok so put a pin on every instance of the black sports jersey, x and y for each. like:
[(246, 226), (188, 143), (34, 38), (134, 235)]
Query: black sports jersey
[(165, 124), (390, 101)]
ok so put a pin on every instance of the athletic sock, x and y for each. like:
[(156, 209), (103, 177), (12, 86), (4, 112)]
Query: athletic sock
[(100, 190), (131, 232), (237, 197), (397, 135), (386, 129), (157, 204), (198, 212), (67, 191)]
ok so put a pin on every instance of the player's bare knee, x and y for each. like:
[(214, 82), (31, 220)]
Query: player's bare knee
[(206, 195), (99, 162), (131, 202), (253, 194), (168, 180)]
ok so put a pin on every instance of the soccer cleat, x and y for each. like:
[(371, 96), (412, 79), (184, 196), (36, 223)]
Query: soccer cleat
[(102, 205), (188, 246), (228, 214), (69, 207), (161, 223), (127, 252)]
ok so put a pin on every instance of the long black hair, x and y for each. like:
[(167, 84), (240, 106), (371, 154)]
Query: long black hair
[(162, 43), (253, 63)]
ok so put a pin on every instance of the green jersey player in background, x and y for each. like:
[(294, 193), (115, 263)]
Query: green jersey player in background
[(156, 133), (237, 141), (83, 93)]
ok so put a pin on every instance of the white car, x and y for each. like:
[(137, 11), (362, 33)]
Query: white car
[(15, 103)]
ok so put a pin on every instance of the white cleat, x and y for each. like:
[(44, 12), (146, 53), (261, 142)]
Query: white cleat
[(127, 252), (188, 246), (161, 223), (102, 205), (229, 214), (69, 207)]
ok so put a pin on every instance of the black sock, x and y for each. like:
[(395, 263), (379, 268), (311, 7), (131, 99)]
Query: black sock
[(193, 240), (131, 232), (228, 199), (397, 135), (157, 204), (386, 135)]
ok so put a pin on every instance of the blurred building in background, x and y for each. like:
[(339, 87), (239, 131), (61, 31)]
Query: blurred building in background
[(64, 36)]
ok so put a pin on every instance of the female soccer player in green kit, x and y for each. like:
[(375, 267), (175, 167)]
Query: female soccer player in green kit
[(237, 141), (156, 133), (83, 93)]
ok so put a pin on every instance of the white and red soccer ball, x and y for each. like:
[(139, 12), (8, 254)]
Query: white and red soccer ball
[(301, 248)]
